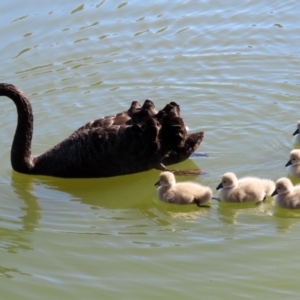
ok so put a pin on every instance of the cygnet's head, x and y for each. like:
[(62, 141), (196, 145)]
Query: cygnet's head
[(228, 181), (298, 129), (166, 179), (283, 186), (294, 158)]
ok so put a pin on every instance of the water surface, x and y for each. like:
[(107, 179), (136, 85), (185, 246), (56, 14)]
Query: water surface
[(232, 66)]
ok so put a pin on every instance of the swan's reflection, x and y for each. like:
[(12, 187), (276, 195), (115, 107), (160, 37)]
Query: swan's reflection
[(15, 240), (23, 186)]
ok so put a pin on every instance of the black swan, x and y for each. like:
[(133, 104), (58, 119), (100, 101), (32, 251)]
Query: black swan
[(101, 148)]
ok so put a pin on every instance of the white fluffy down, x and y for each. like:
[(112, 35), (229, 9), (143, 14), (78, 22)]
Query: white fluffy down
[(296, 134), (286, 195), (183, 192), (245, 189), (293, 165)]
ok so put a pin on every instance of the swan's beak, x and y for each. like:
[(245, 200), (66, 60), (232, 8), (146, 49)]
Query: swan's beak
[(274, 193), (288, 163), (296, 132), (157, 184), (220, 186)]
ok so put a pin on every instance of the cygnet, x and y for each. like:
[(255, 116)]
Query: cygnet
[(245, 189), (296, 134), (181, 193), (286, 195), (293, 165)]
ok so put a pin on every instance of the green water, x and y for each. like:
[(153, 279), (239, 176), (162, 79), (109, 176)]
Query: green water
[(232, 66)]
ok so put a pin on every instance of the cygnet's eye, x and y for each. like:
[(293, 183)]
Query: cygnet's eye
[(225, 181)]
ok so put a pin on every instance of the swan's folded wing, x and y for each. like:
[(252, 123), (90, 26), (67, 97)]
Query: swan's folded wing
[(179, 154)]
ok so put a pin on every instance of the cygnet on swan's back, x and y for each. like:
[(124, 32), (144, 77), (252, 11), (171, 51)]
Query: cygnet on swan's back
[(286, 195), (245, 189), (296, 134), (293, 165), (183, 192)]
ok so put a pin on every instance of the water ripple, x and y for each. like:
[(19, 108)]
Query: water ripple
[(234, 70)]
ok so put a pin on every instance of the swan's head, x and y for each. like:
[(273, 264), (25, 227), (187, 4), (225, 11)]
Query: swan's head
[(298, 129), (166, 179), (283, 186), (228, 181), (294, 158)]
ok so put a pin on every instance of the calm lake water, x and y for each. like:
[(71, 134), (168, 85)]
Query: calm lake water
[(233, 66)]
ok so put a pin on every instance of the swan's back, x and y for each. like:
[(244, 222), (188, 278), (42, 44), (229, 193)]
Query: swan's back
[(137, 114)]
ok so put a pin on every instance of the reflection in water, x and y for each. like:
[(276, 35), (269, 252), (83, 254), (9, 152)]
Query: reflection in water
[(229, 212), (6, 272), (131, 196), (14, 240), (285, 219), (294, 180), (22, 185), (233, 213), (189, 213)]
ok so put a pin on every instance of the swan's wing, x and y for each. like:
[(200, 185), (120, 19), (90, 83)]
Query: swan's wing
[(178, 154)]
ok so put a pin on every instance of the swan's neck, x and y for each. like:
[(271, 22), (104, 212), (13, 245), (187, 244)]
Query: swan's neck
[(21, 159)]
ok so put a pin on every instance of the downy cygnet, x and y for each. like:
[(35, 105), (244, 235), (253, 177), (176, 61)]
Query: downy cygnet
[(181, 193), (286, 195), (245, 189), (293, 165), (296, 134)]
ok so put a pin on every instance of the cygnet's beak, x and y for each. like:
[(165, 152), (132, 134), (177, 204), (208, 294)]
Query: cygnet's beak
[(220, 186), (296, 132), (274, 193), (288, 163), (157, 184)]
